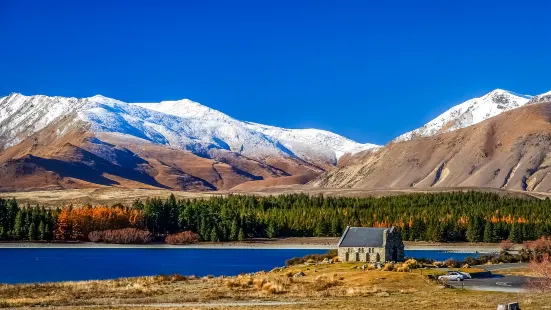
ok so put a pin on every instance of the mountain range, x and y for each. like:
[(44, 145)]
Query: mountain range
[(500, 140), (497, 140), (58, 142)]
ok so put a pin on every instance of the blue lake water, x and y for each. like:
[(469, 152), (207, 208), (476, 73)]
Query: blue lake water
[(28, 265)]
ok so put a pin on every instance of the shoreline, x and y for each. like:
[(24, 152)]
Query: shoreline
[(266, 244)]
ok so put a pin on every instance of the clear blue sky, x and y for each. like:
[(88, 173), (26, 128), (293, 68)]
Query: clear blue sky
[(369, 70)]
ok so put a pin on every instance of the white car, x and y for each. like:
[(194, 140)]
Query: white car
[(453, 276)]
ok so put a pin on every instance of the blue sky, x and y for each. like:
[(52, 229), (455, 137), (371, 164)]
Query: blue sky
[(369, 70)]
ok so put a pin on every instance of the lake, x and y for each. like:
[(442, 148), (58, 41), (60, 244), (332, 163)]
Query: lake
[(28, 265)]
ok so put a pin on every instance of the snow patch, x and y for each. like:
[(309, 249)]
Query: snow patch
[(468, 113), (183, 124)]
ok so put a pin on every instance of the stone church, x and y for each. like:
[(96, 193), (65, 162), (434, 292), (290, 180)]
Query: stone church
[(369, 244)]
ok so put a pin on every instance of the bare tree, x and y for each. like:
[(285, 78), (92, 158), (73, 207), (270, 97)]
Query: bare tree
[(542, 269)]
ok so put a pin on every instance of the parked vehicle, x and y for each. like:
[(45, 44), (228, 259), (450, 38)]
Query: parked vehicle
[(453, 276)]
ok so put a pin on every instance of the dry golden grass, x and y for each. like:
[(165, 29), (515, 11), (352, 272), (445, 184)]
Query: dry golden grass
[(517, 272), (324, 286), (111, 195)]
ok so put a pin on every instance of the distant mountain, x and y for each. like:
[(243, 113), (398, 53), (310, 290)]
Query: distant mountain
[(511, 150), (546, 97), (173, 144), (468, 113)]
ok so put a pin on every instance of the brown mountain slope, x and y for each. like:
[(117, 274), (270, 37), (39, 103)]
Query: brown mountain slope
[(78, 158), (510, 151)]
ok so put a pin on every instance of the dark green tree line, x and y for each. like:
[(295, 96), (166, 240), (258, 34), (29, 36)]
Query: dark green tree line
[(25, 223)]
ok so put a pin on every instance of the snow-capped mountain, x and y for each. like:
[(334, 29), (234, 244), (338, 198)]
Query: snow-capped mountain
[(468, 113), (181, 124), (308, 144), (545, 97), (301, 140)]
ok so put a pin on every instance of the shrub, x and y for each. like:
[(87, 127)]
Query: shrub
[(506, 245), (438, 264), (470, 261), (311, 258), (95, 236), (121, 236), (538, 248), (424, 260), (388, 267), (542, 282), (412, 263), (323, 283), (505, 257), (403, 268), (185, 237), (451, 263)]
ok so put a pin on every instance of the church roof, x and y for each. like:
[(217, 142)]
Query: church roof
[(363, 237)]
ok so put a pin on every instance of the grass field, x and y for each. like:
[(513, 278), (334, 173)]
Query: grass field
[(111, 195), (323, 286)]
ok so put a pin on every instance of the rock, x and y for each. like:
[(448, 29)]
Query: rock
[(299, 275), (509, 306)]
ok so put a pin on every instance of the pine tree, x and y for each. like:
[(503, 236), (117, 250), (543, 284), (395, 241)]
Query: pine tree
[(336, 228), (234, 231), (41, 231), (473, 230), (514, 233), (490, 234), (241, 235), (32, 232), (47, 232), (18, 226), (271, 230), (214, 235), (321, 229), (204, 230), (437, 234)]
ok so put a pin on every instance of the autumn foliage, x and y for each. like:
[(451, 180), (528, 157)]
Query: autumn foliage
[(77, 223), (540, 247), (185, 237), (121, 236)]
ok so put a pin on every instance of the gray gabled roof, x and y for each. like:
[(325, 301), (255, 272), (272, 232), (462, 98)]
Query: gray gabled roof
[(362, 237)]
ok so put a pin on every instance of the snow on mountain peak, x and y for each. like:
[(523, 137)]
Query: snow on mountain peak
[(304, 143), (545, 97), (182, 123), (503, 92), (294, 137), (185, 108), (468, 113), (102, 99)]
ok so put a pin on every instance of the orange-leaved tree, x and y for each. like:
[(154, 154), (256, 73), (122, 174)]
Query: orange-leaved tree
[(77, 223)]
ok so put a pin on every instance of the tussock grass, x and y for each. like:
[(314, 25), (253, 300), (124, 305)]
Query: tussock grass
[(327, 286)]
